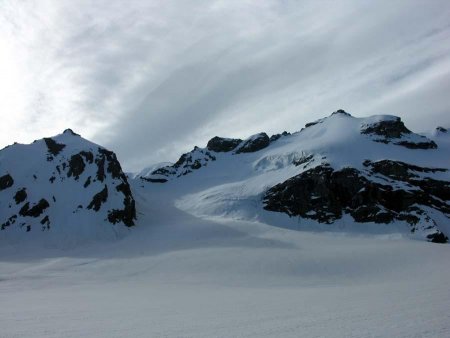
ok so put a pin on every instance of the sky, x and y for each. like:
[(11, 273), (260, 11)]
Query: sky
[(151, 79)]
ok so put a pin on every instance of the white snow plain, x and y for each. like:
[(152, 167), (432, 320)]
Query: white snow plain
[(185, 276)]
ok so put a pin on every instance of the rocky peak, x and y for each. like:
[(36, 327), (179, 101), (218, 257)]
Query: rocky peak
[(391, 129), (69, 131), (254, 143), (65, 184), (222, 144), (341, 112)]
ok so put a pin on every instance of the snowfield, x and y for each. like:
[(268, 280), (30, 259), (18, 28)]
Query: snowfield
[(184, 276)]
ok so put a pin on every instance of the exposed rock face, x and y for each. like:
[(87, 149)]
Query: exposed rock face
[(221, 144), (341, 112), (54, 147), (324, 194), (275, 137), (186, 164), (389, 129), (6, 181), (69, 183), (98, 199), (441, 130), (254, 143), (20, 196), (394, 131)]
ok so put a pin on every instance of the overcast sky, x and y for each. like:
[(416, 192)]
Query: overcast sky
[(151, 79)]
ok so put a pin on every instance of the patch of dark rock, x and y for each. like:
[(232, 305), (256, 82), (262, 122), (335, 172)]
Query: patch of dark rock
[(399, 170), (6, 181), (76, 166), (389, 128), (275, 137), (100, 168), (255, 143), (88, 156), (324, 195), (88, 181), (114, 167), (52, 179), (9, 222), (20, 196), (418, 145), (70, 132), (187, 162), (341, 112), (154, 180), (36, 210), (437, 237), (310, 124), (98, 199), (441, 129), (124, 188), (161, 171), (127, 215), (220, 144), (53, 147), (45, 223), (185, 173), (304, 160)]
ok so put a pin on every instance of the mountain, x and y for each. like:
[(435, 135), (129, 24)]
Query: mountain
[(340, 172), (64, 185)]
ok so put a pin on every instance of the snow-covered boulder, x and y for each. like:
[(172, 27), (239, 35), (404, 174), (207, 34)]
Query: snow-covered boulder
[(63, 184)]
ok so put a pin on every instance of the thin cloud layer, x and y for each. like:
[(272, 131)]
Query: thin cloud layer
[(151, 79)]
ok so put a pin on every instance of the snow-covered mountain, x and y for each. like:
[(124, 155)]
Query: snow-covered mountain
[(65, 185), (340, 172)]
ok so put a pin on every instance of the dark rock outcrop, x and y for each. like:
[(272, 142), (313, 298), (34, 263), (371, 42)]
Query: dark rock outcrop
[(20, 196), (53, 147), (6, 181), (221, 144), (36, 210), (417, 145), (76, 166), (341, 112), (254, 143), (98, 199), (392, 128), (275, 137), (394, 131), (186, 164), (324, 195)]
